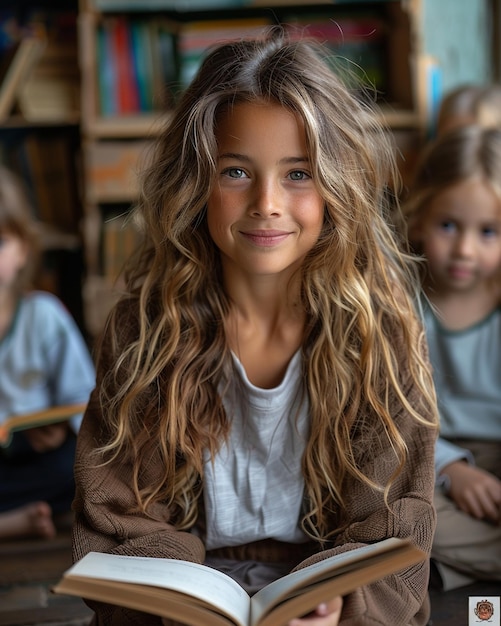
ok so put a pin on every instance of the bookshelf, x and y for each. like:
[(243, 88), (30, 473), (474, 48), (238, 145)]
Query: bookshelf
[(40, 133), (161, 42)]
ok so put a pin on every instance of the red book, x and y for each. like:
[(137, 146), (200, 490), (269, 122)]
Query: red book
[(128, 92)]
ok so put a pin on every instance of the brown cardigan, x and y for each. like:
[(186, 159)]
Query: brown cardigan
[(103, 524)]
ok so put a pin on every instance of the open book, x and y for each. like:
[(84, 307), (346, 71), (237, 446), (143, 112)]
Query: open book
[(197, 594), (38, 418)]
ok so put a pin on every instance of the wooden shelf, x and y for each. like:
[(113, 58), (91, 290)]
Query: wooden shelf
[(52, 239), (151, 125), (400, 118), (20, 122), (122, 127)]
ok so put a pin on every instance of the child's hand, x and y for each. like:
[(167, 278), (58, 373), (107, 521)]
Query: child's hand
[(475, 491), (45, 438), (327, 614)]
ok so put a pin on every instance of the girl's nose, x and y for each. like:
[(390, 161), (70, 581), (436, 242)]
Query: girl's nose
[(266, 201), (465, 244)]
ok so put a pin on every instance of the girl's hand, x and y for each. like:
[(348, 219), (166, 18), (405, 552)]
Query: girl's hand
[(327, 614), (475, 491), (45, 438)]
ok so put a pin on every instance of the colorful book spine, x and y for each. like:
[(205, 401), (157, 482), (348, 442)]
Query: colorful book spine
[(197, 37), (142, 63), (106, 74), (127, 88)]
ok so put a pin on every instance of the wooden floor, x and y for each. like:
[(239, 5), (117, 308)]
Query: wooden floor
[(28, 569)]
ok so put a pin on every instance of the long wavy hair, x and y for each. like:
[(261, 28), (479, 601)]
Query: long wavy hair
[(161, 398)]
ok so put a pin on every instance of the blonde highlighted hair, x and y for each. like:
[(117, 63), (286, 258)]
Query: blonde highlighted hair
[(160, 397)]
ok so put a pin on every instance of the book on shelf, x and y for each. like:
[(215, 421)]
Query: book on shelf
[(24, 421), (50, 169), (120, 238), (195, 38), (52, 91), (113, 167), (143, 51), (128, 94), (177, 5), (357, 42), (136, 64), (197, 594), (165, 62), (26, 55), (106, 72)]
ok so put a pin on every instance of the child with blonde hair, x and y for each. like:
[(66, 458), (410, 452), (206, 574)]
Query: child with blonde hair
[(264, 398), (453, 214), (44, 362)]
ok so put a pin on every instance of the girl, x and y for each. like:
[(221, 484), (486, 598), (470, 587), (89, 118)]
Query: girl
[(44, 362), (454, 218), (263, 395)]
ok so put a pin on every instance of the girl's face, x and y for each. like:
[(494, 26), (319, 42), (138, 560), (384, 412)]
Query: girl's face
[(461, 236), (13, 257), (264, 212)]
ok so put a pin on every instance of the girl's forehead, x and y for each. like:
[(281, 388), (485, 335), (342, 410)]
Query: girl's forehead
[(262, 127), (474, 197)]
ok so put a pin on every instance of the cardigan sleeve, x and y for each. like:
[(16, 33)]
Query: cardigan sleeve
[(106, 515), (103, 523)]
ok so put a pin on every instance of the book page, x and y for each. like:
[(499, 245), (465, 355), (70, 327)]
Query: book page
[(202, 582)]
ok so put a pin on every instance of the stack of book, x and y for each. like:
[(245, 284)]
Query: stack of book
[(357, 43), (196, 38)]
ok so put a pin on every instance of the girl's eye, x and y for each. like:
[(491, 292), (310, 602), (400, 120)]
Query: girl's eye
[(299, 175), (447, 226), (234, 172), (489, 231)]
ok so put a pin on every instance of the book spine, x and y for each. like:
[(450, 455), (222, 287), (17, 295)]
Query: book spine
[(106, 73), (142, 63), (128, 96)]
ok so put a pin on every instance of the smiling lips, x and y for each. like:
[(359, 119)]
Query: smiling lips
[(265, 238), (460, 272)]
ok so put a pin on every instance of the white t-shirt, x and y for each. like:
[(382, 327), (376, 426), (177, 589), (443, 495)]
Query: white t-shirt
[(467, 374), (254, 489)]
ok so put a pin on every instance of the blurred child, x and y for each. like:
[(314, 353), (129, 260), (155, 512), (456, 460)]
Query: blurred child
[(454, 220), (470, 104), (44, 362), (264, 399)]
